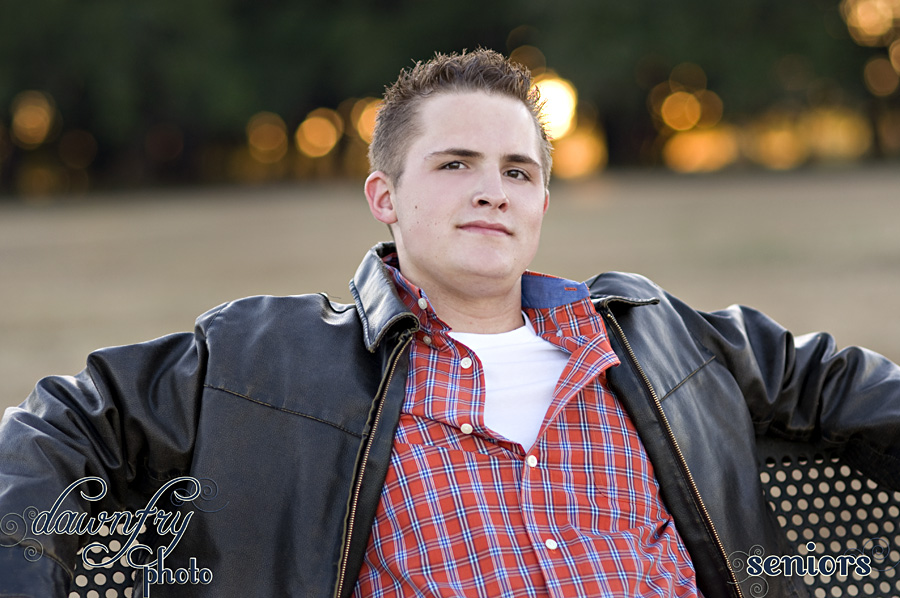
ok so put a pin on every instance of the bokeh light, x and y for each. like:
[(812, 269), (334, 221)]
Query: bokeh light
[(319, 133), (689, 118), (702, 150), (880, 77), (813, 116), (711, 108), (363, 117), (267, 137), (782, 140), (870, 21), (580, 153), (40, 178), (681, 111), (33, 116), (683, 102), (836, 133), (530, 57), (776, 142), (559, 100)]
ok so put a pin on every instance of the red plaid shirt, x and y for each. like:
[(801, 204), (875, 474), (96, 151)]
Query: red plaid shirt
[(465, 512)]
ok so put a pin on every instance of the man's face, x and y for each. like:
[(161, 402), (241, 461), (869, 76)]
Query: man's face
[(466, 214)]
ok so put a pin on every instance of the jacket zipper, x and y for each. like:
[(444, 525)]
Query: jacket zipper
[(354, 501), (658, 404)]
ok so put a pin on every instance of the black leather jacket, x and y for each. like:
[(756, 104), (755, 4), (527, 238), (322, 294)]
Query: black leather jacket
[(288, 406)]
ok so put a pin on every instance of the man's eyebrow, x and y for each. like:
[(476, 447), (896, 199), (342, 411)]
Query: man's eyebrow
[(460, 152), (455, 151), (522, 159)]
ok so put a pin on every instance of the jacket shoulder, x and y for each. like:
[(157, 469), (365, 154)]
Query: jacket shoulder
[(270, 348), (263, 311)]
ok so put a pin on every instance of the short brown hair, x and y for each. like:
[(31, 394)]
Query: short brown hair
[(481, 70)]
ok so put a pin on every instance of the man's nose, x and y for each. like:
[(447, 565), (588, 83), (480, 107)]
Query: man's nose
[(491, 192)]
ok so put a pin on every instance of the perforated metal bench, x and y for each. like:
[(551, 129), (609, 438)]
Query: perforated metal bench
[(115, 580), (815, 498)]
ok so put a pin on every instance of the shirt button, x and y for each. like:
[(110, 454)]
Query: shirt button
[(466, 428), (551, 544), (426, 340), (532, 461), (465, 363), (423, 303)]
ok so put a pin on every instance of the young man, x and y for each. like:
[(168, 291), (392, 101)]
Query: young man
[(466, 428)]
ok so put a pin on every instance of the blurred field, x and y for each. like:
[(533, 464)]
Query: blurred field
[(814, 249)]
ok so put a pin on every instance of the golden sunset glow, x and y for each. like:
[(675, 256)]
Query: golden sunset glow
[(32, 118), (880, 77), (702, 150), (837, 133), (776, 142), (267, 137), (779, 103), (711, 108), (894, 53), (579, 154), (319, 133), (559, 100), (870, 21), (363, 117), (530, 57), (681, 111)]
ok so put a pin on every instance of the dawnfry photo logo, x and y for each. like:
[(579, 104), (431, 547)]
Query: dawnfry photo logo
[(168, 525)]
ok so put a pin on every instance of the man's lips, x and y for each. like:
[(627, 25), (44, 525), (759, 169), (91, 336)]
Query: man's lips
[(489, 228)]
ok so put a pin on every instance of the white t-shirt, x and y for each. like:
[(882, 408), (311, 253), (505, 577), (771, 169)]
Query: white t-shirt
[(520, 373)]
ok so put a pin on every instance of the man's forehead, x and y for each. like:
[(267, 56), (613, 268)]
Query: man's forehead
[(476, 122)]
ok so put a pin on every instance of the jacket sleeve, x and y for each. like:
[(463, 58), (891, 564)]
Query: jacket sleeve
[(129, 418), (804, 389)]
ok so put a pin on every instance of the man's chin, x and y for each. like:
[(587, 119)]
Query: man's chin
[(491, 270)]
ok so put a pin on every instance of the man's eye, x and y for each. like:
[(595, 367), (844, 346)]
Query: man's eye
[(455, 165), (518, 174)]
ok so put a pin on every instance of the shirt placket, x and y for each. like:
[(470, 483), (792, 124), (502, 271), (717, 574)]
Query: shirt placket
[(589, 358), (459, 402)]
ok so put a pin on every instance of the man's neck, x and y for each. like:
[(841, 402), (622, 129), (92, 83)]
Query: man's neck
[(482, 313)]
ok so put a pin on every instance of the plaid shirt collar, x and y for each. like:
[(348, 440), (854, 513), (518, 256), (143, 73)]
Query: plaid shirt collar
[(560, 311)]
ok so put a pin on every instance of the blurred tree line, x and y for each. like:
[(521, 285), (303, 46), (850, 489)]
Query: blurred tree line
[(121, 69)]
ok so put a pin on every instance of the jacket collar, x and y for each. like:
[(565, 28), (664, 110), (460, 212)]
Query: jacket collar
[(376, 299), (622, 289), (380, 307)]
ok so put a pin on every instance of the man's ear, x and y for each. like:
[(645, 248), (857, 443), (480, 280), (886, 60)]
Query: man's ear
[(546, 201), (380, 196)]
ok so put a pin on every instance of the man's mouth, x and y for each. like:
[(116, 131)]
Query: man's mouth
[(486, 228)]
